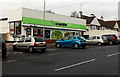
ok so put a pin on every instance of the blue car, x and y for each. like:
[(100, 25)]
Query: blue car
[(71, 41)]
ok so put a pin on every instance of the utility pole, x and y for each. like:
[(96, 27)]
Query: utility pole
[(44, 22)]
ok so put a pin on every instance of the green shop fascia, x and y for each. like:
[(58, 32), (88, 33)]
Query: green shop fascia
[(50, 23)]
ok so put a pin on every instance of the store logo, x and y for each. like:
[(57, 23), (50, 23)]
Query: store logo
[(59, 24)]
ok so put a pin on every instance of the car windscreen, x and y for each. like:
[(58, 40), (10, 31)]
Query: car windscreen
[(38, 39), (81, 38)]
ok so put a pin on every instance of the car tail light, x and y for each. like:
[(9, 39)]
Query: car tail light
[(81, 41), (5, 44), (35, 44), (113, 38)]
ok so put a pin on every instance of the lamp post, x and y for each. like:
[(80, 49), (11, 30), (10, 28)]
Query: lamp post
[(44, 21)]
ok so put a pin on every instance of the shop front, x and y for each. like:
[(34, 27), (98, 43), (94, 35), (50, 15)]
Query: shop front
[(35, 27), (28, 22)]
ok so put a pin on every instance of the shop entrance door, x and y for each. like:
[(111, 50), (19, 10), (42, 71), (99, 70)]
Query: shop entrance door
[(47, 34)]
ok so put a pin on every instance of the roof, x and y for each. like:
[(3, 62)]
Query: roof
[(3, 19), (107, 24), (110, 24), (118, 23), (88, 19)]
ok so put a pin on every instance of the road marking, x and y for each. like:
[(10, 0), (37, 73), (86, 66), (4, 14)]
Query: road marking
[(18, 52), (113, 54), (52, 54), (8, 61), (73, 65)]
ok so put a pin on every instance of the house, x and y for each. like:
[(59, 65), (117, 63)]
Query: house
[(97, 26)]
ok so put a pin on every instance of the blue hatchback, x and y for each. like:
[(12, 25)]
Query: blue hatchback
[(71, 41)]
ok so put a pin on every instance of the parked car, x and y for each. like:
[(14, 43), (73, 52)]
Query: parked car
[(112, 39), (30, 43), (3, 48), (71, 41), (98, 40)]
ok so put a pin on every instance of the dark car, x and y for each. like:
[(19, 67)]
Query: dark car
[(71, 41), (112, 39), (3, 48)]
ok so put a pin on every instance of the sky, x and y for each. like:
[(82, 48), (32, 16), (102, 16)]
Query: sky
[(107, 8)]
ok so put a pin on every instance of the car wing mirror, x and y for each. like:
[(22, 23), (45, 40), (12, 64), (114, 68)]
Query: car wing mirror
[(62, 39)]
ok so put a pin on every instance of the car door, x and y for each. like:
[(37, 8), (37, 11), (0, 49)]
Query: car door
[(65, 41), (27, 42), (90, 40), (69, 41), (20, 42), (94, 40)]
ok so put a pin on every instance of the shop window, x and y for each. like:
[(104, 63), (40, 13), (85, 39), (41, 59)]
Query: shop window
[(11, 27), (28, 31), (47, 34), (18, 27), (38, 32)]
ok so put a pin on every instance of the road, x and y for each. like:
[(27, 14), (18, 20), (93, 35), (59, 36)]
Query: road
[(94, 60)]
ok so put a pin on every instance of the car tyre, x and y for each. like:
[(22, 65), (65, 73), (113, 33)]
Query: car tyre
[(31, 49), (58, 45), (4, 53), (43, 50), (76, 45), (99, 43), (14, 48), (83, 47), (110, 42)]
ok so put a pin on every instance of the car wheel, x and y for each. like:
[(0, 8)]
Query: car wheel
[(58, 45), (4, 53), (43, 50), (14, 48), (31, 49), (110, 42), (99, 43), (83, 47), (76, 45)]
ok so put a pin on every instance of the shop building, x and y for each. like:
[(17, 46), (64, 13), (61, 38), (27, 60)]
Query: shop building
[(24, 22)]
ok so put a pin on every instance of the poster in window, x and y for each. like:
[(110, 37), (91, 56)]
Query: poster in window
[(11, 25), (18, 27), (35, 31)]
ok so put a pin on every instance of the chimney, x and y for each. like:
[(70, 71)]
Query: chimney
[(80, 14), (92, 15), (102, 17)]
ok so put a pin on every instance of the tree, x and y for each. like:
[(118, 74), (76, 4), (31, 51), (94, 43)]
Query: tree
[(74, 14), (49, 11)]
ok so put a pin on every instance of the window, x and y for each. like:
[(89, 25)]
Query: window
[(93, 27), (38, 39), (71, 38), (18, 27), (28, 31), (22, 39), (65, 38), (28, 40), (98, 37)]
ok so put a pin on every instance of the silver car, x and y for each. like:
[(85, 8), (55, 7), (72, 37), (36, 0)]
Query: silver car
[(30, 43), (99, 40)]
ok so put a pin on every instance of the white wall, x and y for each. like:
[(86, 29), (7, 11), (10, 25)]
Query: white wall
[(15, 15), (4, 27), (100, 32), (48, 16)]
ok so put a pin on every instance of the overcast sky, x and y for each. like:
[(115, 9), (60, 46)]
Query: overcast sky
[(107, 8)]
